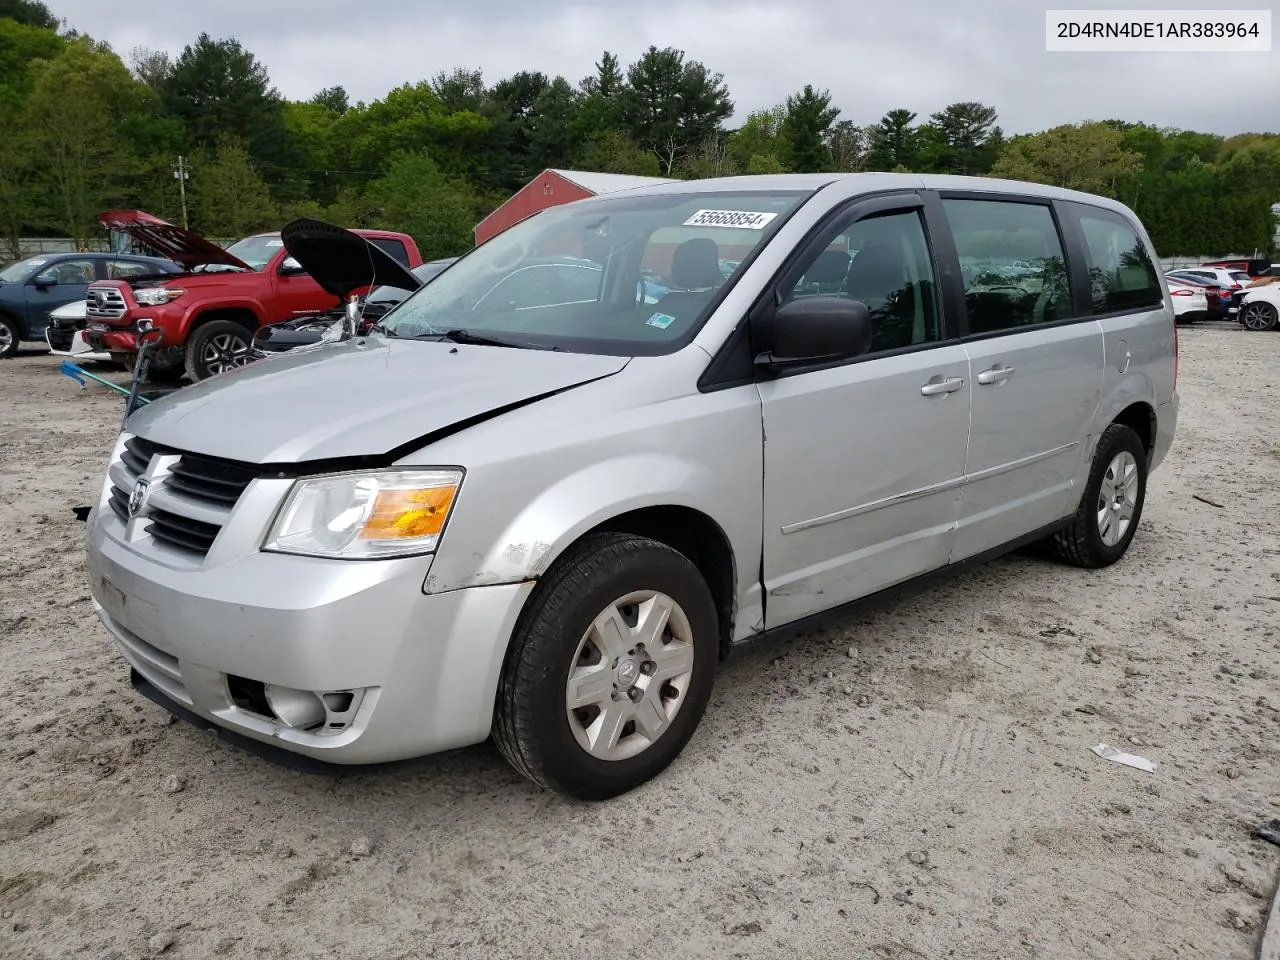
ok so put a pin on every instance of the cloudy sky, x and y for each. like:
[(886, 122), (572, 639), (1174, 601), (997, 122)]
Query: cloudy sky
[(873, 57)]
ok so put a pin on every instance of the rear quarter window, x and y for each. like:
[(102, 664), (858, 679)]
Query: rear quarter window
[(1121, 274)]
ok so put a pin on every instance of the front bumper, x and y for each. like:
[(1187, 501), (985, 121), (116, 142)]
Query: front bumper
[(428, 665), (72, 343)]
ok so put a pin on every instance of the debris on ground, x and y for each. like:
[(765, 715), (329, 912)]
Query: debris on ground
[(1128, 759)]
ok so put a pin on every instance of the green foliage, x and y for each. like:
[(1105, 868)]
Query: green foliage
[(28, 13), (1087, 156), (416, 197), (669, 104), (217, 88), (805, 128), (82, 132), (230, 199), (893, 141)]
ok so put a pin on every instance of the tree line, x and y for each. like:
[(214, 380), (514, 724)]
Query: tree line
[(85, 130)]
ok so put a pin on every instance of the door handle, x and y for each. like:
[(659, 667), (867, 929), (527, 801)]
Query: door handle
[(997, 374), (937, 386)]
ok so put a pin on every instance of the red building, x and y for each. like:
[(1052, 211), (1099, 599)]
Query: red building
[(553, 187)]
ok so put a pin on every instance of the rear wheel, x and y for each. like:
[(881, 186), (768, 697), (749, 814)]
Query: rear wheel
[(1259, 316), (217, 347), (610, 668), (1111, 507), (10, 336)]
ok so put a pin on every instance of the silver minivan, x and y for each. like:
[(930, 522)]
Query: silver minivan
[(557, 485)]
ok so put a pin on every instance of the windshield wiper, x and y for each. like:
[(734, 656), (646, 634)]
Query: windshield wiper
[(460, 335)]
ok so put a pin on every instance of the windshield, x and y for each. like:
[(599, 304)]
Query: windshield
[(256, 251), (620, 275), (17, 272)]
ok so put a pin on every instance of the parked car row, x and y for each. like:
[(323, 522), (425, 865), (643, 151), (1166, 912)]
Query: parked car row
[(1245, 291), (33, 288)]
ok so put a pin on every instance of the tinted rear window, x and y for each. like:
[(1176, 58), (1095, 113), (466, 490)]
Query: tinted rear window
[(1121, 274), (393, 248)]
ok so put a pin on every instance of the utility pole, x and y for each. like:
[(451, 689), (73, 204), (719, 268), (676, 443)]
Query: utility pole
[(181, 174)]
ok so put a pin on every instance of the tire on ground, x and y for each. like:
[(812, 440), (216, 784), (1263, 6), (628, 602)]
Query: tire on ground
[(1259, 316), (1081, 543), (10, 335), (206, 333), (531, 721)]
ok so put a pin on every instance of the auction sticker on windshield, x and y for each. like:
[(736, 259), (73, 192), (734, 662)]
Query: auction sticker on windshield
[(740, 219)]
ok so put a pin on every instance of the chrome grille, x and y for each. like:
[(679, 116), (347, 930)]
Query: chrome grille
[(104, 303), (191, 496)]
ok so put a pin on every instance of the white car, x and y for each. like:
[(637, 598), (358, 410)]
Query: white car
[(1228, 279), (1189, 302), (65, 334), (1259, 307)]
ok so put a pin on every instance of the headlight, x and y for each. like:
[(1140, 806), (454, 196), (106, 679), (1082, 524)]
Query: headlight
[(157, 296), (364, 516)]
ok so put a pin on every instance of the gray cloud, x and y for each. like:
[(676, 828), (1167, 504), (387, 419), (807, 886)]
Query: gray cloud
[(918, 54)]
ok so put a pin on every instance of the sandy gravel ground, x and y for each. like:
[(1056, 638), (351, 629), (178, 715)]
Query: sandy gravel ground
[(915, 783)]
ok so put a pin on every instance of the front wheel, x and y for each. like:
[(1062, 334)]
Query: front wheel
[(610, 668), (217, 347), (10, 336), (1108, 515), (1259, 316)]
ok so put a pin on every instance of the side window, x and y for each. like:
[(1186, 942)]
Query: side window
[(67, 273), (392, 248), (120, 269), (884, 262), (1121, 275), (1012, 263)]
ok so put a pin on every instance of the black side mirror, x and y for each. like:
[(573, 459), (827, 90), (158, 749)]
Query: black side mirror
[(816, 330), (45, 281)]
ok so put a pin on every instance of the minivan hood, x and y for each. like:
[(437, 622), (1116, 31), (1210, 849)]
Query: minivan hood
[(358, 398), (181, 246)]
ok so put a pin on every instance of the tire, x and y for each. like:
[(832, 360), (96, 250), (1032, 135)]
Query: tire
[(1083, 543), (166, 366), (10, 336), (1259, 316), (216, 347), (556, 637)]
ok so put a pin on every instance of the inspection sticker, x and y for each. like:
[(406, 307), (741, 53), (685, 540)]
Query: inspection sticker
[(738, 219), (661, 320)]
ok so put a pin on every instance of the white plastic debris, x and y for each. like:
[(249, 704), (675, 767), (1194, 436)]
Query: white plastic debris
[(1128, 759)]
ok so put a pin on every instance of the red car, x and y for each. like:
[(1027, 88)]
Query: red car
[(208, 315)]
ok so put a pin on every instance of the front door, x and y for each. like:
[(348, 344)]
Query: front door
[(296, 293), (864, 460), (1037, 372), (55, 286)]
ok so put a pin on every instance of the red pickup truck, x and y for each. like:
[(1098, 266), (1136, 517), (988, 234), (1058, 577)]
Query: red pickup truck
[(208, 315)]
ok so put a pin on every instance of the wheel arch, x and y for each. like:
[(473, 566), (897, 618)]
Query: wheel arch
[(1140, 417), (242, 314), (699, 538), (17, 320)]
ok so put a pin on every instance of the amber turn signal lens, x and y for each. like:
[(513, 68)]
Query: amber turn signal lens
[(408, 514)]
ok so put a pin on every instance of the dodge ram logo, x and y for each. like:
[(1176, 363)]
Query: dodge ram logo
[(138, 499)]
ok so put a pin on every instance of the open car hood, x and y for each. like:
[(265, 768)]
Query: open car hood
[(343, 262), (181, 246)]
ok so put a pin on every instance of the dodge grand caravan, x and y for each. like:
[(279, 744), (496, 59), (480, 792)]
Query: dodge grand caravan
[(547, 516)]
